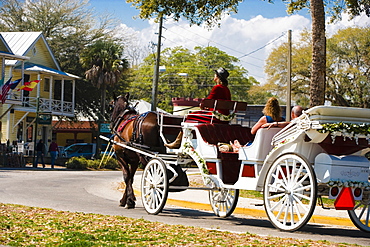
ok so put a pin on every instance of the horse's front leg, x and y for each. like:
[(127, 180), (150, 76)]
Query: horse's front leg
[(126, 173), (130, 199)]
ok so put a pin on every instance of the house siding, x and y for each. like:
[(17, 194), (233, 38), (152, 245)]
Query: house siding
[(42, 55), (31, 45)]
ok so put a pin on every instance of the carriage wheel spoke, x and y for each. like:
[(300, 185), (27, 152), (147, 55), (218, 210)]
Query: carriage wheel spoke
[(289, 180)]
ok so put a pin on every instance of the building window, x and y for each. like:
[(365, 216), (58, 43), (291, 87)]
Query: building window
[(46, 84), (34, 50)]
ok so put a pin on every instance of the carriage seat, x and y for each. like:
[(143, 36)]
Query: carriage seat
[(222, 133), (261, 145), (212, 134)]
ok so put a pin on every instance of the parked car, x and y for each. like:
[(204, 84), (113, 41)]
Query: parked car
[(86, 150)]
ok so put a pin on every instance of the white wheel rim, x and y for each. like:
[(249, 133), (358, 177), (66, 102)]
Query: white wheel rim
[(154, 187), (360, 215), (288, 182), (223, 201)]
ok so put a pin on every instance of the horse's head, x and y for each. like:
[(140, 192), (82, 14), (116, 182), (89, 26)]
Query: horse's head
[(120, 106)]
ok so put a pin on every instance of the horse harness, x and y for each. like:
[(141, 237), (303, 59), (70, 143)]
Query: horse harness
[(137, 134)]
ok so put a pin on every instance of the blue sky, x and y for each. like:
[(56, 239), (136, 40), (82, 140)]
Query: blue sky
[(250, 35), (247, 9)]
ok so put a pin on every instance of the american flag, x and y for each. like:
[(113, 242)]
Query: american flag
[(4, 90), (6, 87)]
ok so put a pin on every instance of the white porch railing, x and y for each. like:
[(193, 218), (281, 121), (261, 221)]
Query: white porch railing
[(56, 107)]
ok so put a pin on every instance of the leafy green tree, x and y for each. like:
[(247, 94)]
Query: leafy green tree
[(188, 74), (210, 12), (349, 68), (347, 73), (276, 70), (317, 8), (69, 27)]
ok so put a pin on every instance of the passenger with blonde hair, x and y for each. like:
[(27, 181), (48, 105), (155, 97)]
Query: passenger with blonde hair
[(272, 114)]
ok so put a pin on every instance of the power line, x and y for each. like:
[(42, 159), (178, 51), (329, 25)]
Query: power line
[(263, 46)]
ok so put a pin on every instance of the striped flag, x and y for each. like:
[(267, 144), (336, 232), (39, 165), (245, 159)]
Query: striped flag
[(29, 86), (4, 91)]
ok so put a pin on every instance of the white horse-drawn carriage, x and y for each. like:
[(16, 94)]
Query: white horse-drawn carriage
[(320, 153)]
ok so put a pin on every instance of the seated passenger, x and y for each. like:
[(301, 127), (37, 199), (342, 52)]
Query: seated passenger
[(272, 113), (296, 112), (219, 91)]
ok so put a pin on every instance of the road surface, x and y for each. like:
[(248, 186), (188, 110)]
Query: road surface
[(95, 192)]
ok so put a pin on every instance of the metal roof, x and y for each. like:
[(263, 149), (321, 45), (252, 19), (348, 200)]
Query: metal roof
[(40, 68), (21, 42)]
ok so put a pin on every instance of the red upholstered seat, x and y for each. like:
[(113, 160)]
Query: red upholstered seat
[(224, 133), (216, 133)]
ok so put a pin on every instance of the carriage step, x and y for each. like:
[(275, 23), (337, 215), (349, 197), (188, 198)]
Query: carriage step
[(190, 188), (167, 156)]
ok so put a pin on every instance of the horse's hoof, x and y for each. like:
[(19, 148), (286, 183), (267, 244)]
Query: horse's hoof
[(130, 204)]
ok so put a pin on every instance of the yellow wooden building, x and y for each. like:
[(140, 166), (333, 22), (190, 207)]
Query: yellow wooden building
[(27, 55)]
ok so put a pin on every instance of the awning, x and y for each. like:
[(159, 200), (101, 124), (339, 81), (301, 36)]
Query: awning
[(43, 69)]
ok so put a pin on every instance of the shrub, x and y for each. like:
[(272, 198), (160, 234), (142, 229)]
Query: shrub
[(110, 163), (77, 163), (93, 164)]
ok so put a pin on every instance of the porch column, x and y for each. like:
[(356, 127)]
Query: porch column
[(38, 85), (62, 96), (73, 95), (51, 93), (2, 68)]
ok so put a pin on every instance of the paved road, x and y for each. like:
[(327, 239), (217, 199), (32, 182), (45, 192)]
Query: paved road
[(95, 192)]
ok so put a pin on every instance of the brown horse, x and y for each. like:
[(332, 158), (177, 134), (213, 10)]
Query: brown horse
[(133, 130)]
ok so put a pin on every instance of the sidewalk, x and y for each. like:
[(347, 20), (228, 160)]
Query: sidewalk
[(198, 199)]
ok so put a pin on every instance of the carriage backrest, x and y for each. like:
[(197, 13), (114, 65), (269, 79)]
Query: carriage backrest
[(224, 133), (261, 145), (224, 104)]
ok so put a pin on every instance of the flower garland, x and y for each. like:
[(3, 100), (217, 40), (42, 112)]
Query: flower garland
[(188, 148), (347, 130), (223, 117), (282, 143), (351, 184)]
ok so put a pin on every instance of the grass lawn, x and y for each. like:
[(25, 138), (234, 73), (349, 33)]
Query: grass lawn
[(31, 226)]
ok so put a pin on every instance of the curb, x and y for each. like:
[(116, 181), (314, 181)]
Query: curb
[(316, 219)]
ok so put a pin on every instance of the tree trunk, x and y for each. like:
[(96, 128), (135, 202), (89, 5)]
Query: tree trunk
[(317, 87)]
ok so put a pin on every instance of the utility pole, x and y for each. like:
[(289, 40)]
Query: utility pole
[(156, 68), (289, 77)]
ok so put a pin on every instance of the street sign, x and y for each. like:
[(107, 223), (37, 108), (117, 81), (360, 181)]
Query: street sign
[(105, 128)]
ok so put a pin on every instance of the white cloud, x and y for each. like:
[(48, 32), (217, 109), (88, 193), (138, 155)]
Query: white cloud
[(358, 21), (238, 37)]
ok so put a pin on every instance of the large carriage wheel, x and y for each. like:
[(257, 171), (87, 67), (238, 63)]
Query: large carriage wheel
[(290, 192), (223, 201), (154, 186), (360, 215)]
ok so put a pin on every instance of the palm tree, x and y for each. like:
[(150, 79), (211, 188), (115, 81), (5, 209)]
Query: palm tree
[(105, 66)]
